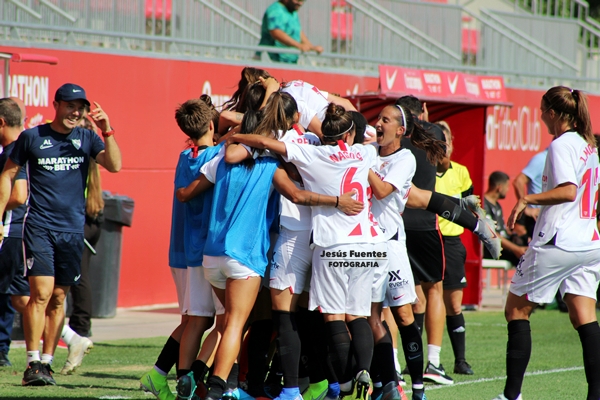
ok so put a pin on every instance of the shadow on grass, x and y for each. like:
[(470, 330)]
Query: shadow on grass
[(101, 375), (127, 345)]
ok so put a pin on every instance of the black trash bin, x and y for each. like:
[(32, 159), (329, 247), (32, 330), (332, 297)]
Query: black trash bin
[(105, 266)]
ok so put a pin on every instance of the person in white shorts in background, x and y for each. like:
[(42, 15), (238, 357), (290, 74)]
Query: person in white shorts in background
[(564, 253), (346, 249)]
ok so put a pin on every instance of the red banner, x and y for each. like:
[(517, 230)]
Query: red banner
[(428, 85)]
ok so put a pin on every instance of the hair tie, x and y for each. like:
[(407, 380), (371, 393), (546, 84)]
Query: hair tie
[(403, 116)]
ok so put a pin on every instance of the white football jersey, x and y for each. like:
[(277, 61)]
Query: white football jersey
[(334, 170), (397, 169), (295, 217), (572, 224), (311, 101)]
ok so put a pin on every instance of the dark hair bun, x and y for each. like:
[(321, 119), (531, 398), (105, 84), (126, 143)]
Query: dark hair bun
[(334, 111), (207, 99)]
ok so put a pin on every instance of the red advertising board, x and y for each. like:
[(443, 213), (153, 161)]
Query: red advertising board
[(438, 85), (140, 95)]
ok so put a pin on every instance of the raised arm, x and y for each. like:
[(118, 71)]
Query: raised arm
[(227, 119), (110, 157), (288, 189), (340, 101)]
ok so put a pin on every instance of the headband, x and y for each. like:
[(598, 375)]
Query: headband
[(403, 116), (340, 134)]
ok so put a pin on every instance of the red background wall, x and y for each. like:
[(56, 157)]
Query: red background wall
[(140, 95)]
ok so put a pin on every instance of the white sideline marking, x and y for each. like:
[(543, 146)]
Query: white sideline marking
[(114, 397), (500, 378)]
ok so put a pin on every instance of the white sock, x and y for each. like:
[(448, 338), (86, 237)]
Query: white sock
[(68, 334), (396, 362), (418, 386), (33, 356), (346, 387), (47, 358), (433, 354)]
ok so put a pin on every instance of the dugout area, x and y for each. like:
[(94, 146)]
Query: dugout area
[(462, 100)]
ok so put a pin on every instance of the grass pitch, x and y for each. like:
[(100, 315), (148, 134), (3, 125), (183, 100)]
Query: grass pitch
[(112, 369)]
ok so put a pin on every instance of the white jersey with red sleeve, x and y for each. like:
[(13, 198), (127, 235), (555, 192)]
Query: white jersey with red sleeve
[(334, 170), (311, 101), (295, 217), (396, 169), (572, 225)]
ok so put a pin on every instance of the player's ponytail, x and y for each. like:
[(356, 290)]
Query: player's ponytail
[(583, 120), (571, 106), (278, 115), (422, 138)]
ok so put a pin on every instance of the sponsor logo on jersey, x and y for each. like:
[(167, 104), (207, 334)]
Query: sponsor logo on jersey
[(61, 163), (76, 143), (46, 145)]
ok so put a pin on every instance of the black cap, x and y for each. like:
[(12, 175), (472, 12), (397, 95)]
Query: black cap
[(70, 92)]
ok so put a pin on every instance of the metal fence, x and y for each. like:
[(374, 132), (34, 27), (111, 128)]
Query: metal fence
[(358, 35)]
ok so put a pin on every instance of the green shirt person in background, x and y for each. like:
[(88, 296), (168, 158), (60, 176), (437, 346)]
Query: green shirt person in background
[(281, 28)]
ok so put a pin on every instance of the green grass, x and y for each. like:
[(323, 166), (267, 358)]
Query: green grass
[(113, 368)]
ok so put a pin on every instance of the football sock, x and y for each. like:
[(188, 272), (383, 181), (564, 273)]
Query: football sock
[(589, 334), (456, 331), (288, 345), (216, 387), (518, 351), (396, 361), (382, 365), (362, 343), (302, 322), (168, 356), (182, 372), (200, 370), (68, 334), (433, 354), (259, 341), (33, 356), (339, 349), (47, 359), (317, 356), (232, 379), (446, 207), (412, 344), (419, 320)]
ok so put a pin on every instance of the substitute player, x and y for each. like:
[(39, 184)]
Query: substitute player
[(564, 253)]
